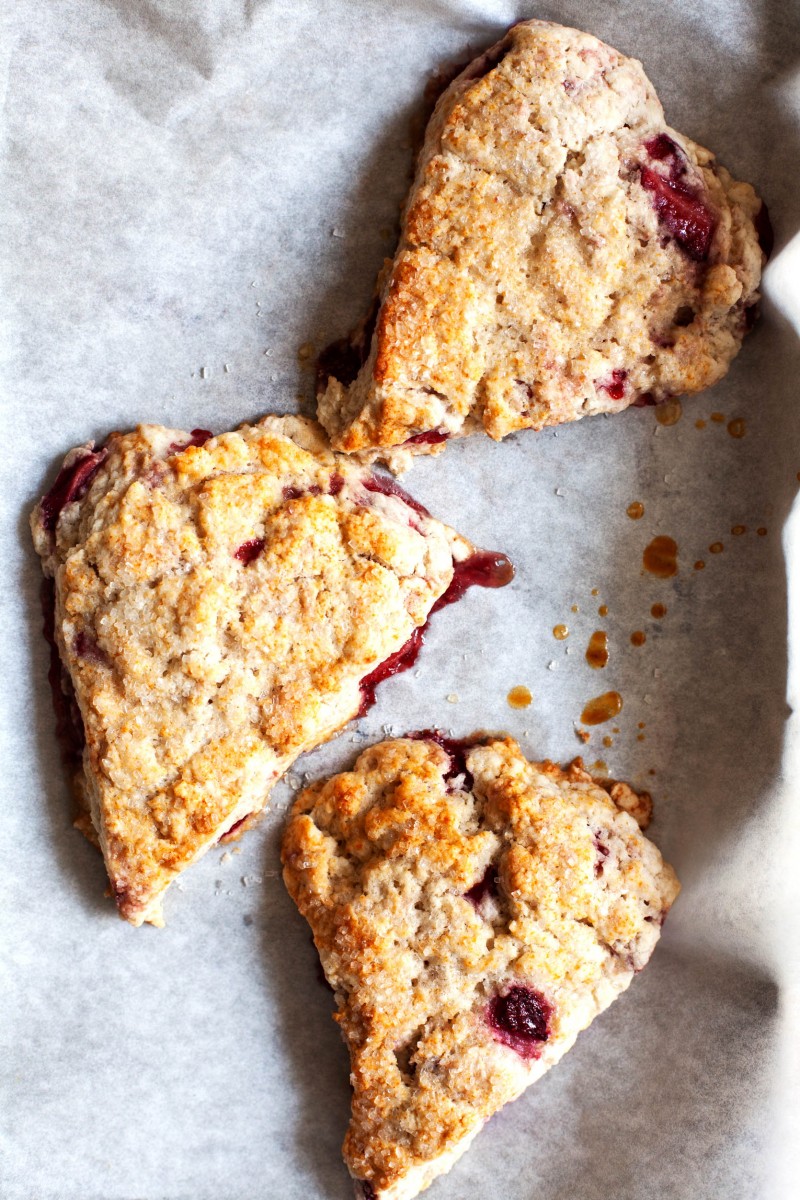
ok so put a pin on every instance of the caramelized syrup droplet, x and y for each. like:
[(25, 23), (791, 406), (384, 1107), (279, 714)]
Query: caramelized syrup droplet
[(575, 608), (640, 737), (699, 565), (635, 510), (595, 591), (716, 547), (762, 531), (718, 418), (560, 632), (602, 708), (608, 741), (600, 765), (638, 637), (699, 423), (658, 611), (597, 650), (519, 697), (641, 725), (602, 610), (660, 557), (669, 413), (738, 530), (737, 428)]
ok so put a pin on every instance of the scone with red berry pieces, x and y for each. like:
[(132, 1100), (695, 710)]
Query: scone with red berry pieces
[(562, 252), (473, 912), (218, 605)]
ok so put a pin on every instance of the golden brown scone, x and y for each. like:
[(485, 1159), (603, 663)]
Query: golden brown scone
[(562, 252), (221, 605), (473, 912)]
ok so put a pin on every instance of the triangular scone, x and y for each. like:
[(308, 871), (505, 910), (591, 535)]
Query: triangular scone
[(562, 252), (473, 912), (221, 605)]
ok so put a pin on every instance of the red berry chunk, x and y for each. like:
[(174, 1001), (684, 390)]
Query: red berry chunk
[(72, 483), (401, 660), (384, 486), (485, 887), (198, 437), (616, 385), (455, 747), (520, 1019), (426, 439), (248, 551), (683, 213)]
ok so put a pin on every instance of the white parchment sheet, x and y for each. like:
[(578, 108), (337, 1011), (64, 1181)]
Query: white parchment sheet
[(192, 190)]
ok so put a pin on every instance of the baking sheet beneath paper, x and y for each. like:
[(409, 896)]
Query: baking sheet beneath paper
[(194, 190)]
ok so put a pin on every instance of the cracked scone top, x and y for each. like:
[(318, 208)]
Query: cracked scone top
[(562, 253), (221, 605), (473, 912)]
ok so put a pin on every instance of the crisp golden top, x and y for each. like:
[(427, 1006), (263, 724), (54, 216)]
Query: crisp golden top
[(217, 606), (562, 253), (437, 881)]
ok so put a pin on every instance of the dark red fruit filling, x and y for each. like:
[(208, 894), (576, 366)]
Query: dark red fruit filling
[(487, 61), (386, 486), (455, 747), (750, 316), (663, 148), (766, 235), (678, 207), (616, 385), (69, 723), (85, 646), (484, 888), (648, 400), (249, 550), (520, 1019), (71, 484), (482, 569), (602, 854), (433, 438), (401, 660), (344, 358), (198, 437), (294, 493), (234, 827)]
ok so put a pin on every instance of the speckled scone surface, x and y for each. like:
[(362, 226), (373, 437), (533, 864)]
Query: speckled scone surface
[(473, 912), (562, 253), (217, 606)]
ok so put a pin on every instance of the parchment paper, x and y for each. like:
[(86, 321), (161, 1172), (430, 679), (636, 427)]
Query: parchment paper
[(194, 189)]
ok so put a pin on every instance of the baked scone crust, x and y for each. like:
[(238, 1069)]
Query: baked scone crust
[(562, 252), (437, 880), (218, 603)]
